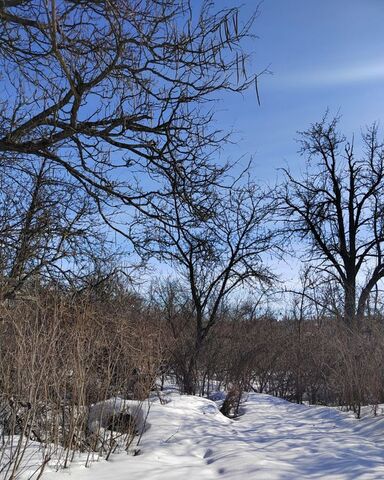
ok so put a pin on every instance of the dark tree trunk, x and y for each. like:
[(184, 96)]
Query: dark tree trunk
[(350, 302), (189, 380)]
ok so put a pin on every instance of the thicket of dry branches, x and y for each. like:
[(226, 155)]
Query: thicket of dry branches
[(61, 355)]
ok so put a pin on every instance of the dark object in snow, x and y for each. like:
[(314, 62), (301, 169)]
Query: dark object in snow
[(122, 422), (230, 407), (116, 414)]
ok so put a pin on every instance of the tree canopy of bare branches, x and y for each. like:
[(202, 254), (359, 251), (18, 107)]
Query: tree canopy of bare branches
[(117, 92), (48, 228)]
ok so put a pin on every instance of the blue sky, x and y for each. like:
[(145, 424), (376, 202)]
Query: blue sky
[(323, 54)]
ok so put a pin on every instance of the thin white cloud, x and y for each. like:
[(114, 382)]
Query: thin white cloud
[(335, 76)]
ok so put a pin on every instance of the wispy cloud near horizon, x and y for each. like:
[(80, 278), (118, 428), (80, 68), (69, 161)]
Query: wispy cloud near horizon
[(333, 77)]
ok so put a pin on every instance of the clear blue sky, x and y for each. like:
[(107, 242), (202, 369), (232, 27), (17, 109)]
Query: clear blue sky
[(323, 54)]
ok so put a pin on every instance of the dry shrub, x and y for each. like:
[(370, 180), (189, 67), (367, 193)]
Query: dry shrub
[(61, 354), (356, 377)]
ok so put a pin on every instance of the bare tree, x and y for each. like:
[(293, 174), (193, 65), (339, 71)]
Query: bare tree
[(217, 247), (337, 206), (48, 228), (118, 93)]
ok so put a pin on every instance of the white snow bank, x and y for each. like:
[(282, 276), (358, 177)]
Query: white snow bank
[(273, 440)]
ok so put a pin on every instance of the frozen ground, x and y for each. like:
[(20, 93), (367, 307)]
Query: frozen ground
[(189, 439)]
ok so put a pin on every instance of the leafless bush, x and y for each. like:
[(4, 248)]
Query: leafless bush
[(61, 356)]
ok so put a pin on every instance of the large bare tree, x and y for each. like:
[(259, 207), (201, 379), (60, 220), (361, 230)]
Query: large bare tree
[(338, 207), (216, 245)]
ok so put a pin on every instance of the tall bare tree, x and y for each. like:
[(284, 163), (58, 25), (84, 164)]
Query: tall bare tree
[(217, 246), (338, 207)]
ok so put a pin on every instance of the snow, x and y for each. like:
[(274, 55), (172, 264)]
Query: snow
[(273, 439)]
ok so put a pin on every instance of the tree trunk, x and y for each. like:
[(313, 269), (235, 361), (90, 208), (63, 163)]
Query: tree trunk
[(189, 380), (350, 302), (190, 377)]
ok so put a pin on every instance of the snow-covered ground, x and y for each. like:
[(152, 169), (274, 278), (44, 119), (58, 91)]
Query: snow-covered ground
[(189, 439)]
